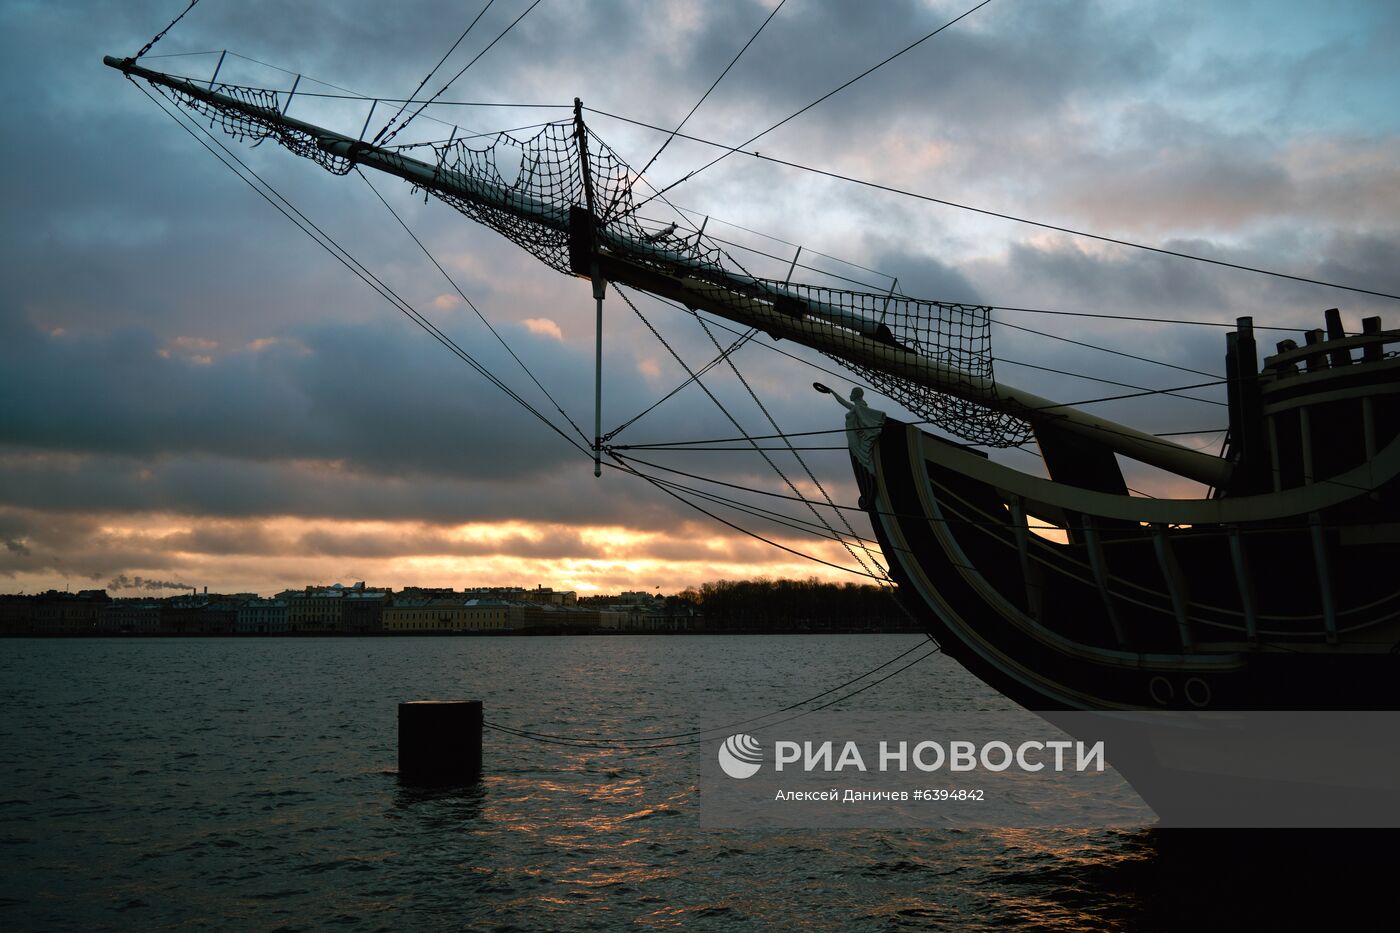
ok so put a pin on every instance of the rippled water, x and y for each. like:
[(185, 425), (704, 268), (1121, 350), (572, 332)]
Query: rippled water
[(250, 784)]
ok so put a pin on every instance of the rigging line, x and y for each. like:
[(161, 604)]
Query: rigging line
[(738, 427), (869, 285), (607, 218), (778, 518), (400, 147), (1214, 531), (743, 339), (683, 445), (1115, 398), (824, 97), (633, 748), (890, 189), (805, 468), (1090, 346), (427, 77), (306, 225), (732, 63), (716, 322), (1147, 320), (451, 281), (353, 94), (847, 377), (766, 492), (868, 545), (848, 508), (186, 54), (161, 35), (932, 423), (761, 452), (742, 530), (990, 523), (631, 740), (769, 236), (767, 255), (356, 95), (1125, 385), (488, 48), (864, 569)]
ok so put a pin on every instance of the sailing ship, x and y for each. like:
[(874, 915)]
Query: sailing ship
[(1273, 591)]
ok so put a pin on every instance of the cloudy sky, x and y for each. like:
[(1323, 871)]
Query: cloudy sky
[(193, 392)]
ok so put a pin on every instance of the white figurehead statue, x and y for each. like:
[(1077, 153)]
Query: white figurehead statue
[(863, 424)]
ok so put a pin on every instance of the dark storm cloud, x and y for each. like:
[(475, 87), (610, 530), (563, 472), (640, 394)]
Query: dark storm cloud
[(386, 398), (68, 488)]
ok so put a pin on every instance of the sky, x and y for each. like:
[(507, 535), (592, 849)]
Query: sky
[(193, 393)]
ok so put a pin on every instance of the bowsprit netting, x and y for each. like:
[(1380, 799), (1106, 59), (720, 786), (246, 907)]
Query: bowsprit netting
[(539, 177), (955, 338), (258, 118), (532, 189)]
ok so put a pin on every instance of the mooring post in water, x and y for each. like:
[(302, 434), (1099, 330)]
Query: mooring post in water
[(440, 742)]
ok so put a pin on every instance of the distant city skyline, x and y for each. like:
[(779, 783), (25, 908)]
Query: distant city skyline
[(193, 393)]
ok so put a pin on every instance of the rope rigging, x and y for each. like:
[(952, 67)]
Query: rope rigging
[(463, 295), (686, 118), (724, 354), (288, 210), (802, 462), (300, 220), (161, 35), (890, 189), (474, 60), (819, 100), (732, 420), (427, 77)]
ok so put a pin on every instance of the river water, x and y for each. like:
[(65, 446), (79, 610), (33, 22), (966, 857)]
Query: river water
[(250, 784)]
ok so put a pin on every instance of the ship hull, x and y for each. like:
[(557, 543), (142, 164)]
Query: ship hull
[(1033, 619)]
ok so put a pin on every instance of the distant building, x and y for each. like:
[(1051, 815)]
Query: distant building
[(262, 617), (634, 598), (181, 615), (315, 609), (447, 615), (547, 596), (55, 613), (136, 616), (558, 618), (219, 616), (429, 592), (362, 610), (540, 595)]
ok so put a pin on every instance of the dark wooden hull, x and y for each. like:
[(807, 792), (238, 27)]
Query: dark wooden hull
[(1159, 619)]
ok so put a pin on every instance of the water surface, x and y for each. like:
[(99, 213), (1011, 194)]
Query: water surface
[(249, 783)]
